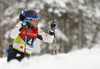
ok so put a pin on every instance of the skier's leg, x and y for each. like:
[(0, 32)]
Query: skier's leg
[(20, 57), (11, 56)]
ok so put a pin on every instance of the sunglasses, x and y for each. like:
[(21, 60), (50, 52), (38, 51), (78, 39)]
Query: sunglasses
[(36, 19)]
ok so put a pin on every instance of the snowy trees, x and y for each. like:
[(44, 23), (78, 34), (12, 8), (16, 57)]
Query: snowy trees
[(78, 22)]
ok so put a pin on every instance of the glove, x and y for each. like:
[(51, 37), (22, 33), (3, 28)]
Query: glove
[(25, 21), (53, 25)]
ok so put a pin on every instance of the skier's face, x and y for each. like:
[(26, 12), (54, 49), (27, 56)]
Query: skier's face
[(33, 22)]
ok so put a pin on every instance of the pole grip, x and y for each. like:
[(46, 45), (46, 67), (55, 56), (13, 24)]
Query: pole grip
[(53, 27)]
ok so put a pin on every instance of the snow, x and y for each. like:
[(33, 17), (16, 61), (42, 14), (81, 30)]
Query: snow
[(56, 11), (97, 12), (49, 1), (81, 1), (21, 5), (5, 21), (50, 10), (10, 10), (80, 59), (61, 35), (61, 3), (7, 34), (32, 4), (14, 20)]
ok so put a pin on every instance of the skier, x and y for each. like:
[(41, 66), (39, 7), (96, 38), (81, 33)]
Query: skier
[(25, 34)]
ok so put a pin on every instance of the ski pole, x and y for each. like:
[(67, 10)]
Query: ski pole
[(54, 40), (25, 41), (55, 44)]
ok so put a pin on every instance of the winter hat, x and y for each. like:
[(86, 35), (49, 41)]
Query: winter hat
[(33, 14)]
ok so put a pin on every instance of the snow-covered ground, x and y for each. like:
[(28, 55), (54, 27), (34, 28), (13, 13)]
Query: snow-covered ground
[(80, 59)]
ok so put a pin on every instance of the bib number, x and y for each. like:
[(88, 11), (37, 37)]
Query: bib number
[(30, 42)]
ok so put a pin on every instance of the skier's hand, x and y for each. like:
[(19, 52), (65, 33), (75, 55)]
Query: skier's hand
[(25, 21), (54, 24)]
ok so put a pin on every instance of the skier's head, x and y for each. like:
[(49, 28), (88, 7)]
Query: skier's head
[(31, 15)]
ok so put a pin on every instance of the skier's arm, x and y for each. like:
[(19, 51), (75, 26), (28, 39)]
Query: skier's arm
[(15, 31), (46, 37)]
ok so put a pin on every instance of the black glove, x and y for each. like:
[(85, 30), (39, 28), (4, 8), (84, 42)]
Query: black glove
[(53, 25)]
